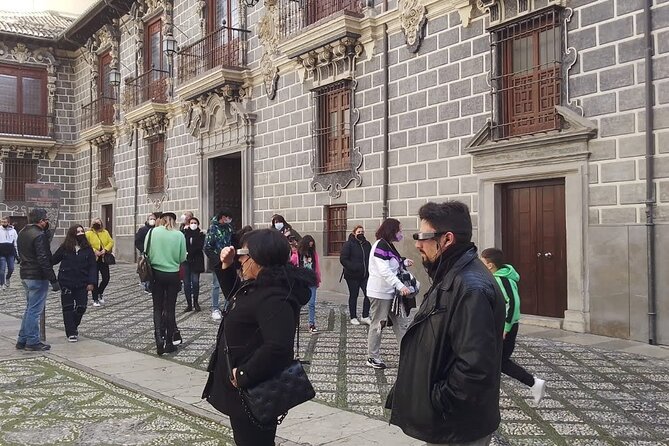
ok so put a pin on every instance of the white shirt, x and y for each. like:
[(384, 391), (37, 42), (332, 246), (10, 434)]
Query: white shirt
[(8, 235)]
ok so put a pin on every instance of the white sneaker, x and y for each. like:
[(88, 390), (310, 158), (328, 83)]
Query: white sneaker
[(366, 321), (96, 303), (538, 390), (73, 338), (355, 321), (216, 314), (102, 299)]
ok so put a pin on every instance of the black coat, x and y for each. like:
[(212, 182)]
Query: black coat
[(447, 387), (260, 330), (140, 236), (35, 254), (354, 257), (194, 249), (77, 269)]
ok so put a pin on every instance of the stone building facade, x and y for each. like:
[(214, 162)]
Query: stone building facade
[(334, 113)]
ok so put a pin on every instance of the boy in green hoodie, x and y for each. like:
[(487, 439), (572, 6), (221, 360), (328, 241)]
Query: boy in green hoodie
[(507, 278)]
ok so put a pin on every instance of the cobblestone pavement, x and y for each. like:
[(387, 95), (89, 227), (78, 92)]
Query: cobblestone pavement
[(595, 396), (44, 402)]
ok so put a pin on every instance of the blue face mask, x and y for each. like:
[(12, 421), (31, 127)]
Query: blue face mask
[(278, 226)]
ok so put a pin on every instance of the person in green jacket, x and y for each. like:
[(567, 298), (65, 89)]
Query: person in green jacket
[(507, 278)]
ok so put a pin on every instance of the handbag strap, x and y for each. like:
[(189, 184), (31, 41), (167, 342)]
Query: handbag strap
[(148, 244)]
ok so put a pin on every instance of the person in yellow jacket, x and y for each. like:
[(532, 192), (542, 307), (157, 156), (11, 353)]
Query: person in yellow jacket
[(102, 243)]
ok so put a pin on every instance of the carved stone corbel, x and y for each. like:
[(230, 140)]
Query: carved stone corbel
[(413, 19), (268, 34), (154, 125)]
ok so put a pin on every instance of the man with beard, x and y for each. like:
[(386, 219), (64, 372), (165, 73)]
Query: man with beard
[(447, 388)]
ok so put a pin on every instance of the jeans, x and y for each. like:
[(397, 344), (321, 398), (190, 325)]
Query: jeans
[(36, 291), (215, 292), (74, 303), (312, 306), (485, 441), (6, 264), (248, 434), (380, 312), (103, 270), (509, 367), (354, 287), (191, 284), (164, 290)]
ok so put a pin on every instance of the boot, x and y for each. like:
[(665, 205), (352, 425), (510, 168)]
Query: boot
[(196, 304), (160, 343), (189, 304), (170, 347)]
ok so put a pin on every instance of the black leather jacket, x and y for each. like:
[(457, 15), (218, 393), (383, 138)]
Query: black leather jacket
[(447, 388), (35, 254)]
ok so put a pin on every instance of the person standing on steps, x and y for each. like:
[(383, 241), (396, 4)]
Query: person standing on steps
[(354, 257), (194, 265), (218, 237), (507, 279), (102, 243), (77, 275), (8, 251), (140, 235)]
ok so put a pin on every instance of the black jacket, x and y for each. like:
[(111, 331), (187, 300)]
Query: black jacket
[(35, 254), (354, 257), (194, 247), (77, 269), (447, 387), (260, 329), (140, 236)]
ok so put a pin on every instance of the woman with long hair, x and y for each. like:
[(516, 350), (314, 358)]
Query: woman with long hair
[(307, 257), (280, 224), (354, 257), (194, 265), (384, 265), (102, 243), (77, 275)]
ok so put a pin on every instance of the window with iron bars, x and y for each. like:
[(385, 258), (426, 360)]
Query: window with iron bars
[(17, 173), (106, 165), (527, 77), (332, 127), (157, 165), (336, 223)]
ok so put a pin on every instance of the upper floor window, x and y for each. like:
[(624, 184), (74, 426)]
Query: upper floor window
[(527, 78), (106, 165), (157, 165), (222, 13), (154, 58), (23, 101), (295, 15), (332, 127), (17, 173), (336, 222)]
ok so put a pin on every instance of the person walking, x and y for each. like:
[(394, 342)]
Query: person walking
[(507, 278), (194, 265), (384, 266), (140, 235), (166, 248), (8, 251), (77, 275), (36, 274), (259, 326), (354, 257), (447, 386), (102, 243), (218, 237), (307, 257)]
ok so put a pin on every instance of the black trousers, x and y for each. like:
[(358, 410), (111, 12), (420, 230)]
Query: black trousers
[(74, 303), (248, 434), (509, 367), (354, 285), (103, 270), (164, 290)]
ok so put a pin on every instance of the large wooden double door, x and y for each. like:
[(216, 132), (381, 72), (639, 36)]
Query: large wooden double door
[(534, 242), (227, 187)]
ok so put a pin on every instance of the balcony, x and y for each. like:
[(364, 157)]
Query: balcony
[(213, 61), (295, 17), (146, 95), (97, 118), (24, 125)]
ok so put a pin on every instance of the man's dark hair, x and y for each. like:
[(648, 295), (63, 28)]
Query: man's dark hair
[(225, 212), (450, 216), (36, 215), (494, 256), (238, 235), (267, 247), (71, 240), (388, 230)]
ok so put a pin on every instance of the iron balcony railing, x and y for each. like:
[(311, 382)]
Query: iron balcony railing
[(225, 47), (297, 15), (99, 111), (148, 86), (24, 124)]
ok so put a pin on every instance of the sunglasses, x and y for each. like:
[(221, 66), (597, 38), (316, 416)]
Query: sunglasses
[(419, 236)]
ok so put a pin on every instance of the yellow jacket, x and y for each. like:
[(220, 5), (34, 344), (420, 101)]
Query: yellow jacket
[(100, 239)]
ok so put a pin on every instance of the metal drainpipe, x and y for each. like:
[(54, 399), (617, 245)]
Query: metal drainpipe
[(136, 197), (650, 183), (90, 181), (386, 139)]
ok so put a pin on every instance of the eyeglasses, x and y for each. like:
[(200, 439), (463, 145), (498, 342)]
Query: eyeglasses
[(420, 236), (242, 252)]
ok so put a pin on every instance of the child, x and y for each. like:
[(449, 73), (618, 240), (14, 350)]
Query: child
[(307, 257), (507, 279)]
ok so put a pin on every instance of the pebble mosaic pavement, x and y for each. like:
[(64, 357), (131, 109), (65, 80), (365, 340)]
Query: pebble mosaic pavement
[(595, 396), (44, 402)]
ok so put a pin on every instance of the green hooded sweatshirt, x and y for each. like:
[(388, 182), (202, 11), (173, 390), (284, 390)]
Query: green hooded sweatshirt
[(507, 277)]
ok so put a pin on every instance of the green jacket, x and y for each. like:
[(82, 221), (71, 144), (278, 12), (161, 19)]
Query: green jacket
[(168, 249), (507, 278)]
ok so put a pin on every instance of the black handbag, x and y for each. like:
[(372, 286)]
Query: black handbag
[(402, 305), (143, 265), (109, 258)]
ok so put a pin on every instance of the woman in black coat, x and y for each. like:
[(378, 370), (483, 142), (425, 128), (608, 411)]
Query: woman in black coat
[(259, 325), (77, 275), (354, 257), (194, 265)]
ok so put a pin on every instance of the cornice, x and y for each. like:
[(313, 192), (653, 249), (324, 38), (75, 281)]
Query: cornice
[(210, 80)]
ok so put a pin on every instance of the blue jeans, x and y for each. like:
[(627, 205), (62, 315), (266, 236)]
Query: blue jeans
[(191, 283), (6, 263), (36, 291), (312, 306), (215, 292)]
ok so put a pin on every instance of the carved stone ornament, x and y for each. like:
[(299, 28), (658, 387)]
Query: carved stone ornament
[(270, 75), (268, 35), (202, 14), (413, 19), (23, 152), (154, 125), (332, 62)]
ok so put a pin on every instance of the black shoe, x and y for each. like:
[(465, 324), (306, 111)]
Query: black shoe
[(160, 344), (188, 309), (196, 305), (39, 347), (177, 338), (170, 348), (20, 345)]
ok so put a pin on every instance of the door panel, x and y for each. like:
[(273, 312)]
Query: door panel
[(227, 183), (108, 218)]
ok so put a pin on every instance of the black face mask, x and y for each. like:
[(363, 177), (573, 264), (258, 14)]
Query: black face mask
[(97, 226), (360, 237), (81, 239), (46, 226), (4, 226)]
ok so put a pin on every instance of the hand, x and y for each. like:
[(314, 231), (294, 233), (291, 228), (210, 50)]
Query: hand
[(233, 380), (504, 335), (90, 287), (55, 286), (227, 257), (404, 291), (408, 262)]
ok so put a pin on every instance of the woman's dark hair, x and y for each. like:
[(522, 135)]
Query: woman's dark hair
[(71, 241), (267, 247), (388, 230), (494, 256), (193, 218), (303, 247)]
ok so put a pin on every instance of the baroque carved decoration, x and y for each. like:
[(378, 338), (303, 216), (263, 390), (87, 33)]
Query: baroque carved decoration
[(332, 62), (413, 19), (568, 60), (153, 125), (268, 35)]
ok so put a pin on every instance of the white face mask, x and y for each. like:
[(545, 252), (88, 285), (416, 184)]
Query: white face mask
[(193, 226), (278, 226), (152, 222)]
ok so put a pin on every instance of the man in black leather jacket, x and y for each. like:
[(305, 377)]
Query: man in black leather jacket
[(36, 273), (447, 388)]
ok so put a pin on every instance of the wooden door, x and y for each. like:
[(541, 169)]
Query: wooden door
[(534, 242), (108, 218), (227, 187)]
